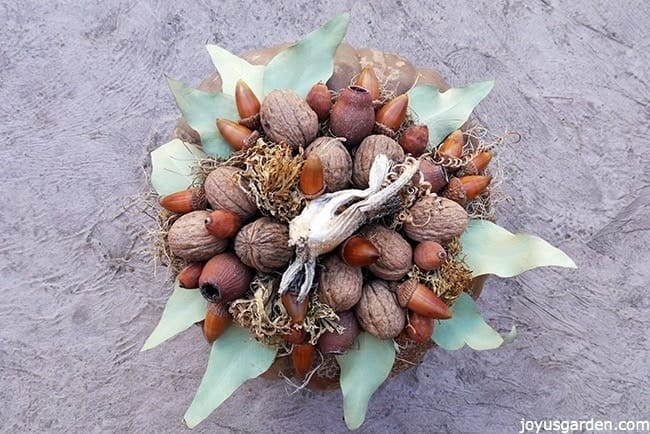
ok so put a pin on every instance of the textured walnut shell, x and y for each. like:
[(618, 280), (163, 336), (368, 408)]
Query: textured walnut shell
[(339, 284), (264, 245), (395, 253), (366, 153), (223, 193), (189, 239), (336, 160), (436, 219), (395, 73), (285, 116), (378, 311)]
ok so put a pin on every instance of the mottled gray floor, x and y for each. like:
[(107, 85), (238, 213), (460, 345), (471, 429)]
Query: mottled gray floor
[(83, 101)]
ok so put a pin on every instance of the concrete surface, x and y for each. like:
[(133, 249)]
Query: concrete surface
[(83, 101)]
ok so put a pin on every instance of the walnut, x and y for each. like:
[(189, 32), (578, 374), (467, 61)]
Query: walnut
[(395, 253), (340, 284), (436, 219), (337, 163), (189, 239), (286, 117), (366, 153), (264, 245), (378, 311), (223, 193)]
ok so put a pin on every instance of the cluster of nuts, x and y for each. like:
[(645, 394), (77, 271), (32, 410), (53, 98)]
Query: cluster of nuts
[(226, 241)]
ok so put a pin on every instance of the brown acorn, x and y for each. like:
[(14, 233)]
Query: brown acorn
[(466, 188), (334, 343), (352, 115), (391, 115), (368, 80), (223, 223), (297, 335), (185, 201), (224, 278), (237, 136), (414, 140), (188, 277), (477, 164), (433, 174), (452, 146), (248, 106), (312, 178), (297, 310), (358, 251), (320, 101), (420, 328), (302, 357), (429, 255), (422, 300), (217, 320)]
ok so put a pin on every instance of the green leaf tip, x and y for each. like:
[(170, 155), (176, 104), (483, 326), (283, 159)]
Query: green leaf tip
[(172, 165), (233, 68)]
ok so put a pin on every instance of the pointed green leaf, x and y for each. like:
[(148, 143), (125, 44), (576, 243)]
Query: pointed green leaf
[(232, 68), (201, 111), (467, 326), (309, 61), (235, 358), (171, 166), (447, 111), (490, 249), (184, 308), (363, 370)]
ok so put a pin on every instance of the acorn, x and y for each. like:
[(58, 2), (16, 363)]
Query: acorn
[(452, 146), (223, 223), (217, 320), (248, 106), (414, 140), (477, 164), (224, 278), (434, 174), (297, 310), (352, 115), (368, 80), (188, 277), (358, 251), (390, 117), (429, 255), (302, 357), (334, 343), (297, 335), (237, 136), (320, 101), (185, 201), (421, 300), (466, 188), (420, 328), (312, 181)]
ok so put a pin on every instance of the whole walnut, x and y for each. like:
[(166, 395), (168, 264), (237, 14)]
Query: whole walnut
[(369, 148), (189, 239), (285, 116), (339, 284), (395, 253), (336, 160), (223, 193), (264, 244), (378, 311), (434, 218)]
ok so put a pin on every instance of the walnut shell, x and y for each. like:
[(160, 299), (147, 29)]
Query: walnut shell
[(395, 253), (369, 148), (223, 193), (264, 245), (378, 311), (336, 160), (189, 239), (339, 284), (435, 219), (285, 116)]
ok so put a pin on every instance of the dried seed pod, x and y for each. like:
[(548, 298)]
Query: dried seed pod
[(264, 244), (420, 328), (188, 277), (358, 251), (185, 201), (302, 357), (346, 66), (336, 161), (390, 117), (395, 253), (452, 146), (352, 115), (238, 136), (378, 311), (394, 72), (478, 163), (312, 177), (297, 335), (422, 300), (339, 284), (435, 219), (286, 117), (223, 193), (217, 320), (320, 101), (223, 223), (248, 106), (429, 255), (466, 188), (433, 174), (366, 153), (368, 80), (414, 140), (297, 310), (224, 278), (189, 239), (334, 343)]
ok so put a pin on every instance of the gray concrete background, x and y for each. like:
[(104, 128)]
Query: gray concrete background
[(83, 101)]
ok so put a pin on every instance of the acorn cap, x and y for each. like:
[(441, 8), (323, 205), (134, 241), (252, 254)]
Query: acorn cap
[(217, 320), (455, 191)]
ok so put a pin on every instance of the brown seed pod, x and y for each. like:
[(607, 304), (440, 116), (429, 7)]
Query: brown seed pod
[(185, 201), (188, 277), (358, 251), (189, 239), (312, 177), (422, 300), (237, 135), (217, 320), (297, 310), (339, 284), (302, 357), (248, 106), (334, 343), (352, 115), (429, 255), (478, 163), (320, 101), (264, 244), (433, 174), (286, 117), (378, 311), (414, 140), (223, 223), (223, 193), (436, 219), (420, 328), (336, 161), (466, 188), (452, 146), (394, 72), (224, 278), (392, 114), (368, 80), (366, 153), (395, 253)]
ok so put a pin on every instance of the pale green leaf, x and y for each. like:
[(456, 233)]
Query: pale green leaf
[(467, 326), (201, 111), (184, 308), (235, 358), (490, 249), (309, 61), (171, 166), (363, 369), (232, 68), (447, 111)]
